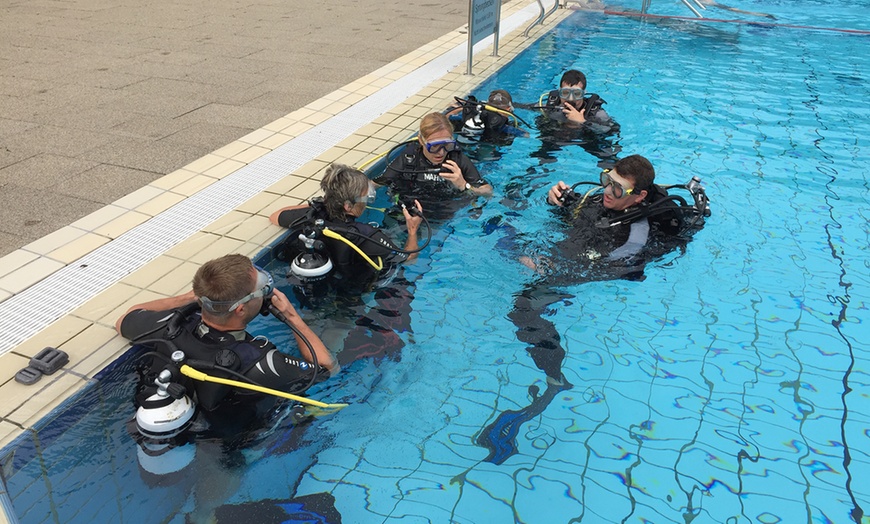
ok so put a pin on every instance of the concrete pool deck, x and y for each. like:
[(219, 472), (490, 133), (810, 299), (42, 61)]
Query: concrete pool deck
[(350, 125), (98, 99)]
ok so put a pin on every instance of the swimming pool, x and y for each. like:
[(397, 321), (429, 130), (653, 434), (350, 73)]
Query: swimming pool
[(729, 385)]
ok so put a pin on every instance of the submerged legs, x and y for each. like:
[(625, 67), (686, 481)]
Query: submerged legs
[(545, 348)]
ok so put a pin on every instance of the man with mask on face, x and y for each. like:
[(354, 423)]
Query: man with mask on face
[(570, 116), (209, 325), (571, 105)]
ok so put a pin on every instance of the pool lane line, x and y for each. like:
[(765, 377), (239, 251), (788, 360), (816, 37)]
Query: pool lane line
[(737, 21)]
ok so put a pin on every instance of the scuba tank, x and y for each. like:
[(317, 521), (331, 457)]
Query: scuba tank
[(168, 411), (312, 265)]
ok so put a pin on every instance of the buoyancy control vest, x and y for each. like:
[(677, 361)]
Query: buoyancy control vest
[(186, 332), (476, 118), (346, 260)]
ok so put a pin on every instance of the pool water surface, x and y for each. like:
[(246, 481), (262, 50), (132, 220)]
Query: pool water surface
[(727, 384)]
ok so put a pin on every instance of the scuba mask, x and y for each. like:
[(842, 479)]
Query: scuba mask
[(265, 287)]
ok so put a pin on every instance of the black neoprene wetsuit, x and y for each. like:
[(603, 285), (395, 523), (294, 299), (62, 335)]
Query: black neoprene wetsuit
[(411, 176), (350, 265), (255, 358), (595, 136)]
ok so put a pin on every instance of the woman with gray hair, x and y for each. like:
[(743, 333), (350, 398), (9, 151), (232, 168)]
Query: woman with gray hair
[(364, 250)]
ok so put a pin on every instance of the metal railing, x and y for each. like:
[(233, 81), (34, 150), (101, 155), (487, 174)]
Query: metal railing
[(542, 16), (645, 5), (688, 3)]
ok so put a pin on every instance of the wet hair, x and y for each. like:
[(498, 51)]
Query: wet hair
[(500, 99), (432, 123), (637, 169), (225, 279), (341, 185), (572, 77)]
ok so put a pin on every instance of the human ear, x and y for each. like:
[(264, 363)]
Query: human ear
[(641, 196)]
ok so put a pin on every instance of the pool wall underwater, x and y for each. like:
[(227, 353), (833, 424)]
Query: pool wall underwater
[(727, 385)]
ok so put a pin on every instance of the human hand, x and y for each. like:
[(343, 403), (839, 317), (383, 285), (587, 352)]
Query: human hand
[(451, 172), (554, 195), (413, 220), (572, 114), (282, 304), (528, 262)]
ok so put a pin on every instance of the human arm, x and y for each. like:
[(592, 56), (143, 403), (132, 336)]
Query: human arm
[(599, 122), (282, 217), (463, 175), (412, 222), (637, 239), (324, 357), (161, 304)]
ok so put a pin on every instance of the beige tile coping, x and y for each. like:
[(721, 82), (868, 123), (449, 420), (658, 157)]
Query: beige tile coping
[(87, 333)]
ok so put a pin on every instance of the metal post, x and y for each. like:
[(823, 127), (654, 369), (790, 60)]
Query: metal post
[(692, 8), (470, 30), (495, 34)]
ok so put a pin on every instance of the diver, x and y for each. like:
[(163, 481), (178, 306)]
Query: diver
[(572, 105), (570, 116), (191, 430), (433, 171), (492, 121), (610, 235), (334, 259), (358, 252), (204, 330)]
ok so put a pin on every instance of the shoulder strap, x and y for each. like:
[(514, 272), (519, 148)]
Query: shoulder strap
[(593, 102)]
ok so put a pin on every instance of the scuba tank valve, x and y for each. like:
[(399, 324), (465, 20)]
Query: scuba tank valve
[(313, 264), (167, 412)]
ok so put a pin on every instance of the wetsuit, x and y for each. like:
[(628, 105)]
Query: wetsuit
[(372, 331), (600, 244), (597, 119), (255, 358), (487, 125), (411, 176), (353, 270), (595, 136)]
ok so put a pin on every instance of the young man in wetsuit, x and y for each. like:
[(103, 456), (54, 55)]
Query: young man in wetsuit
[(571, 117), (605, 240), (209, 324), (570, 104)]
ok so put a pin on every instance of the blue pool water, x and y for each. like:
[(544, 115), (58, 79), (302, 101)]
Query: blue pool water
[(728, 385)]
